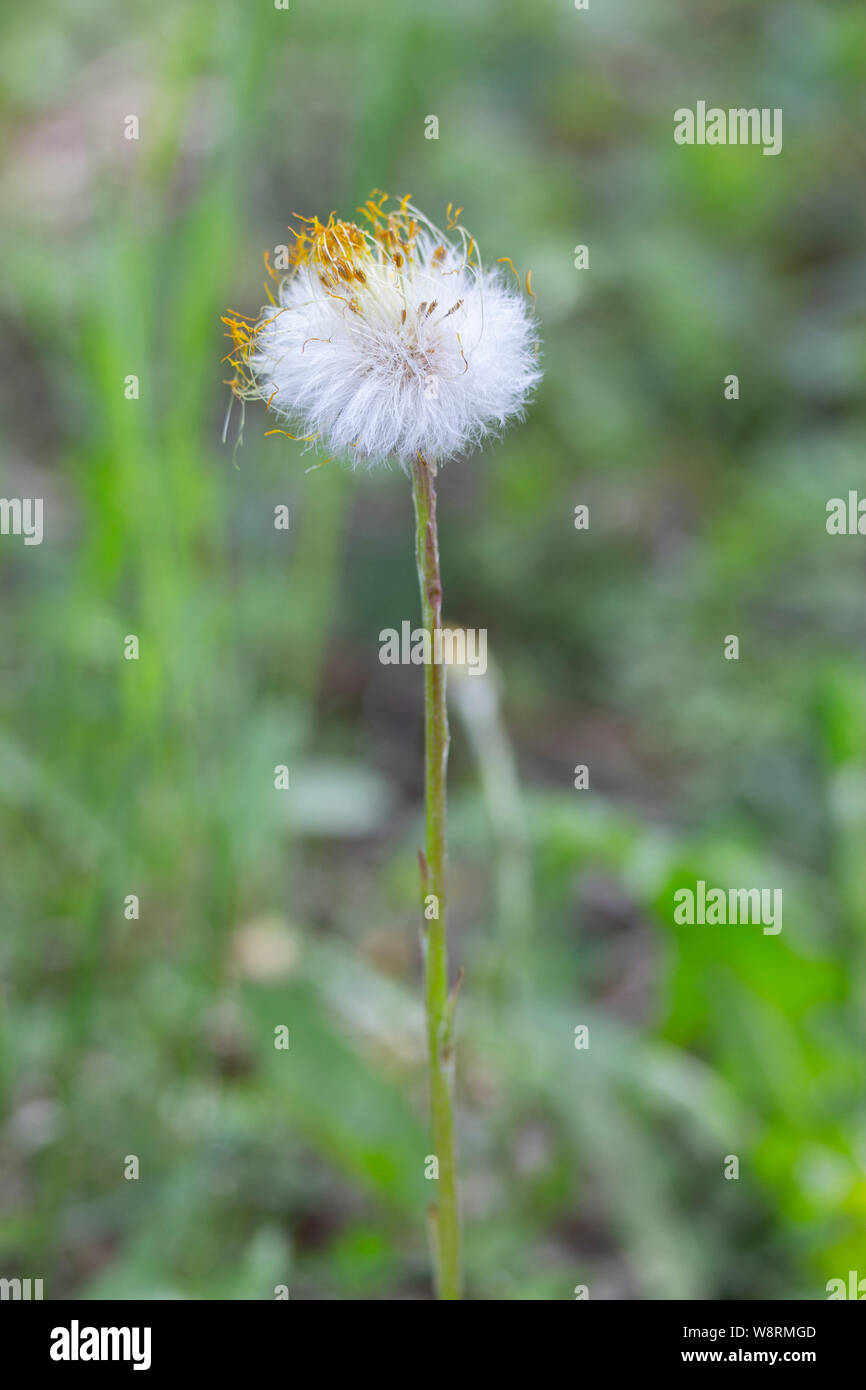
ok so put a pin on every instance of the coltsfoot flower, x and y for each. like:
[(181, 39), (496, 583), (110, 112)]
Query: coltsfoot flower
[(389, 341)]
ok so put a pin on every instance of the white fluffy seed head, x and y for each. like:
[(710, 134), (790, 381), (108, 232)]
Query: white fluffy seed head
[(390, 342)]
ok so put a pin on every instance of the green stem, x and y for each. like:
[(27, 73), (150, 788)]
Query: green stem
[(445, 1222)]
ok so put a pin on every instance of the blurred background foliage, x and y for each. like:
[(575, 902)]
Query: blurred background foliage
[(707, 517)]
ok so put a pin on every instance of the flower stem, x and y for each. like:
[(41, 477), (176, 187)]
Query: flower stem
[(445, 1222)]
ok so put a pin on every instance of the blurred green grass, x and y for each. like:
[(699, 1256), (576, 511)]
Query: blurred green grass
[(154, 1037)]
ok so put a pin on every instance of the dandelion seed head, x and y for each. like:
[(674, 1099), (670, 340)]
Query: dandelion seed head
[(389, 339)]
